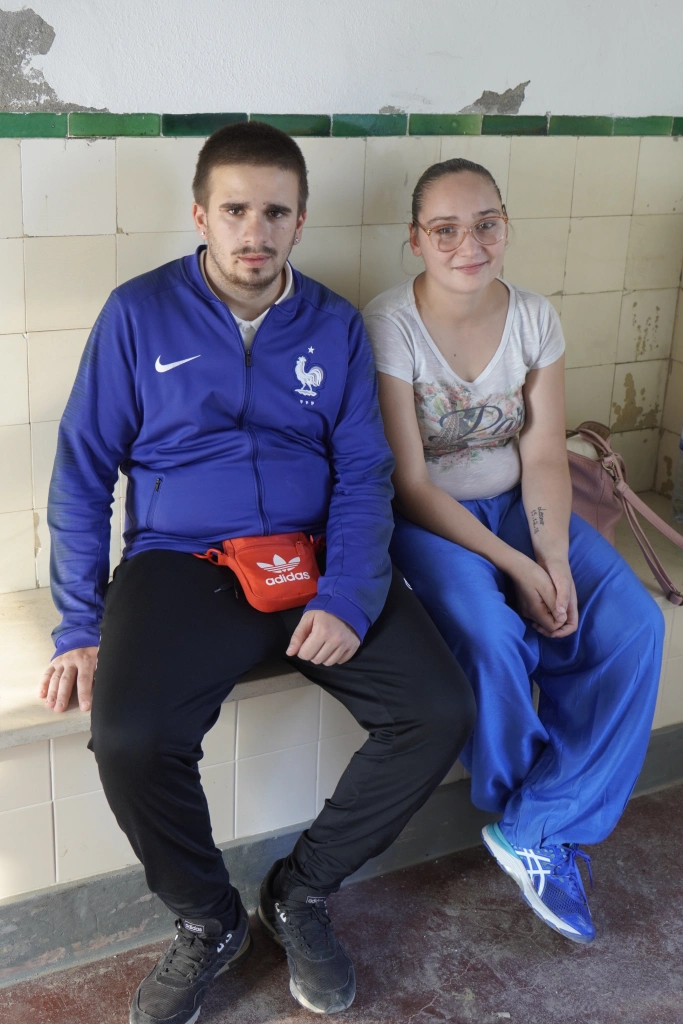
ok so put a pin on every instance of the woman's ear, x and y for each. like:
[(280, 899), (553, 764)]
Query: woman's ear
[(413, 240)]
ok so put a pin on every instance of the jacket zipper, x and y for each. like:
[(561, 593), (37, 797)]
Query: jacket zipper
[(153, 503), (253, 440)]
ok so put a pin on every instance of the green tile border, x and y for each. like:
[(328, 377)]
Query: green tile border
[(297, 124), (33, 126), (444, 124), (102, 124), (182, 125), (642, 125), (86, 124), (514, 124), (365, 125), (567, 125)]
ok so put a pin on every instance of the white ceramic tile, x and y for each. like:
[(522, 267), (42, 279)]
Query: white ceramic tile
[(136, 254), (454, 774), (17, 552), (219, 743), (333, 757), (13, 380), (667, 458), (154, 183), (15, 468), (638, 397), (44, 446), (392, 169), (277, 720), (74, 769), (673, 407), (274, 790), (218, 781), (26, 850), (591, 324), (12, 307), (331, 256), (335, 720), (605, 176), (115, 539), (491, 151), (675, 649), (639, 449), (24, 776), (537, 254), (655, 252), (659, 185), (670, 701), (336, 169), (677, 342), (588, 392), (10, 189), (541, 176), (69, 186), (596, 254), (668, 614), (385, 260), (53, 358), (556, 301), (647, 324), (68, 280), (87, 838)]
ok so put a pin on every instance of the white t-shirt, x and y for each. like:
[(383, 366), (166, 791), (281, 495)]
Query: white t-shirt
[(469, 430)]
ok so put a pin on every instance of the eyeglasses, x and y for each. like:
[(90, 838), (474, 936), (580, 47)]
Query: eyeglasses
[(448, 237)]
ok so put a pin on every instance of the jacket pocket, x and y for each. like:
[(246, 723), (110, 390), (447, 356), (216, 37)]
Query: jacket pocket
[(153, 502)]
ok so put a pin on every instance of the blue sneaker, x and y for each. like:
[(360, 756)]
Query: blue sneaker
[(550, 882)]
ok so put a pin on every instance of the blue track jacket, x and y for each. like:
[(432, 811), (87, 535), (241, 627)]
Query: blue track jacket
[(219, 443)]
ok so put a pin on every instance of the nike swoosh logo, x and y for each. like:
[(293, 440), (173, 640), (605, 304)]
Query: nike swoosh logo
[(163, 367)]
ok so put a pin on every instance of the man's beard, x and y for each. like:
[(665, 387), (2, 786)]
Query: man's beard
[(255, 282)]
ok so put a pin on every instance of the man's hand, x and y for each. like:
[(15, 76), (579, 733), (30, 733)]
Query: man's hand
[(77, 666), (323, 639)]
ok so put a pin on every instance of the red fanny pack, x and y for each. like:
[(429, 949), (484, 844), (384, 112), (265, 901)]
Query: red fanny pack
[(275, 572)]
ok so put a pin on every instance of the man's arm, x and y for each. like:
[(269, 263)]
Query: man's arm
[(360, 523), (97, 428)]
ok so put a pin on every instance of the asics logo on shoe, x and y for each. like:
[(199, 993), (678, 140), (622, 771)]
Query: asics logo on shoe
[(280, 913), (534, 866), (164, 367), (285, 570)]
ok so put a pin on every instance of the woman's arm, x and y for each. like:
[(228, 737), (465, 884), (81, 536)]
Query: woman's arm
[(429, 506), (546, 487)]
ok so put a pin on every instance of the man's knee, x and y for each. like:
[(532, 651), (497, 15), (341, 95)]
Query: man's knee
[(446, 712)]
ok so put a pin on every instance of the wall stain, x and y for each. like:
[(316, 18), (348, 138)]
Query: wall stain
[(507, 102), (391, 109), (631, 416), (23, 36), (646, 333), (666, 486)]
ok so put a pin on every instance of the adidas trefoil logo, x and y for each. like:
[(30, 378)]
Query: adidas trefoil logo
[(285, 570)]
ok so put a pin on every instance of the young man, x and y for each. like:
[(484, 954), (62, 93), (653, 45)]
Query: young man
[(239, 399)]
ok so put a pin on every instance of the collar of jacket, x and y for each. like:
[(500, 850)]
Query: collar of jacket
[(192, 272)]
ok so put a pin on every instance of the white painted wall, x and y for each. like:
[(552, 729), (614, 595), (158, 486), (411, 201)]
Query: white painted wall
[(618, 57)]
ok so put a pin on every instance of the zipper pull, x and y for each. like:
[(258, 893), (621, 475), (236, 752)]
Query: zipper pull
[(247, 356), (157, 484)]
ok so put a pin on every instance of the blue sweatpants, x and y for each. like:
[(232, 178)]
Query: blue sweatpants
[(564, 774)]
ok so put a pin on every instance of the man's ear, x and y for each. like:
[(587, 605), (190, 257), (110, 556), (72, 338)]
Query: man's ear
[(199, 218)]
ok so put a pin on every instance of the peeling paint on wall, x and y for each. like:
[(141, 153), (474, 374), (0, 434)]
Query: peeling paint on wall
[(666, 486), (23, 36), (631, 416), (390, 109), (646, 332), (507, 102)]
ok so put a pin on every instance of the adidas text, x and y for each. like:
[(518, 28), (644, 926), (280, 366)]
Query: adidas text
[(287, 578)]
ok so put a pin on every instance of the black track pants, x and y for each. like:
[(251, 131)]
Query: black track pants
[(174, 640)]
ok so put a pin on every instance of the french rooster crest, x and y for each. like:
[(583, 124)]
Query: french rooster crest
[(309, 379)]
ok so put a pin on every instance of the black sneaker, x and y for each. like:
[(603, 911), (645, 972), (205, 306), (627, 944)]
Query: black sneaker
[(173, 990), (322, 978)]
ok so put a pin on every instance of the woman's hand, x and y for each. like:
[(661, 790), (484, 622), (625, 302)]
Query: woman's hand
[(544, 598), (566, 611)]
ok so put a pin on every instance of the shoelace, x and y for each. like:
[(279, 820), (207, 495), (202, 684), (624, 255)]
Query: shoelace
[(187, 956), (308, 920), (568, 870)]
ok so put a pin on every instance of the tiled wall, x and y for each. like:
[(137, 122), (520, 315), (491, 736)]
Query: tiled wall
[(597, 226), (269, 762)]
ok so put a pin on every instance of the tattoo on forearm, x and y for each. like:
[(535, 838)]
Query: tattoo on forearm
[(538, 518)]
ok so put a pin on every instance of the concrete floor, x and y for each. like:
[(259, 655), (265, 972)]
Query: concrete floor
[(450, 940)]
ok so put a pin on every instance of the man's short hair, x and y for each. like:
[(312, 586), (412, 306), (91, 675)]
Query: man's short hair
[(249, 142)]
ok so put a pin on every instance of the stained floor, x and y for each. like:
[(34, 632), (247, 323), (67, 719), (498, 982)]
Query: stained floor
[(450, 940)]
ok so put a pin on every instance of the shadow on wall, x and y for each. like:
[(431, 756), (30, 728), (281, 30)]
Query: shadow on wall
[(23, 36)]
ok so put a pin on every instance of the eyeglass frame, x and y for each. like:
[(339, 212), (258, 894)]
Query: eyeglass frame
[(470, 230)]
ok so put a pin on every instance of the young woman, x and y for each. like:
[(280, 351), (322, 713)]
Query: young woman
[(471, 376)]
